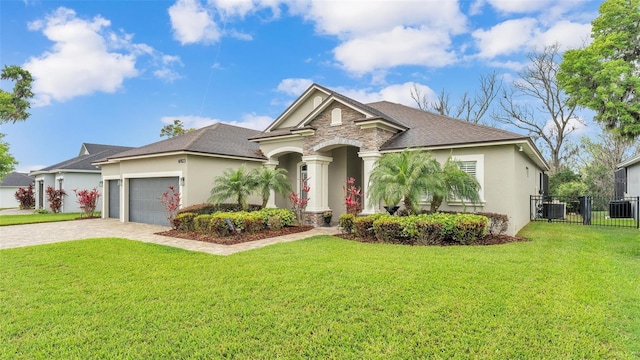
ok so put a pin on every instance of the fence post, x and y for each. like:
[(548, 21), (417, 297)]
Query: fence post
[(637, 217)]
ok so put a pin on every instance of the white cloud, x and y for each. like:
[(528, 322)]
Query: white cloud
[(86, 57), (79, 62), (568, 35), (192, 23), (399, 46), (397, 93), (250, 121), (575, 126), (505, 38), (520, 6), (294, 86)]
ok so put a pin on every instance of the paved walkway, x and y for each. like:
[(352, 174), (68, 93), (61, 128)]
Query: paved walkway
[(47, 233)]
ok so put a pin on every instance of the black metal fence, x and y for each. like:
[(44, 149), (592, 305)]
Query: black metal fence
[(586, 210)]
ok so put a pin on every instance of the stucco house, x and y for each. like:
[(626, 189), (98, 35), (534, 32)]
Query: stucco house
[(627, 178), (75, 173), (8, 187), (325, 137)]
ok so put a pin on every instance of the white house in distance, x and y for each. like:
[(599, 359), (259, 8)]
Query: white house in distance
[(326, 137), (75, 173), (8, 187)]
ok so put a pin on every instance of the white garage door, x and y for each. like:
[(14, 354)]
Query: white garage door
[(144, 199)]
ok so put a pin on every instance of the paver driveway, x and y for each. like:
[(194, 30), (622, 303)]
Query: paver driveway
[(47, 233)]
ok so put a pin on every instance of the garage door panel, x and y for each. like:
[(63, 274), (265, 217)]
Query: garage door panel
[(114, 199), (144, 199)]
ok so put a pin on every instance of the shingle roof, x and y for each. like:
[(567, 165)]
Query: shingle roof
[(84, 162), (16, 179), (217, 139), (428, 129)]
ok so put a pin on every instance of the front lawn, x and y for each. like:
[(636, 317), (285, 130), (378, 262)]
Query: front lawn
[(571, 293), (36, 218)]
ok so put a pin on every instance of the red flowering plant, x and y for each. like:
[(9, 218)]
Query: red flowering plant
[(352, 197), (55, 198), (26, 197), (300, 202), (88, 200), (171, 200)]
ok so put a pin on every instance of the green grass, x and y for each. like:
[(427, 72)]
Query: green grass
[(36, 218), (571, 293)]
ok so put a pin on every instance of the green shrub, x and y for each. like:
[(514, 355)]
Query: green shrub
[(207, 208), (202, 223), (346, 223), (498, 223), (469, 228), (275, 223), (429, 232), (184, 221), (286, 216), (219, 226), (389, 229)]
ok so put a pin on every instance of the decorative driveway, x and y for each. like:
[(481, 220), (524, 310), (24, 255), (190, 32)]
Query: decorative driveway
[(47, 233)]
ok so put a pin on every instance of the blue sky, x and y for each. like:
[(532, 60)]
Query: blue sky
[(116, 72)]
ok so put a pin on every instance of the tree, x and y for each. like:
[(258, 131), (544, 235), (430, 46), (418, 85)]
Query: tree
[(600, 159), (469, 108), (605, 75), (536, 104), (238, 184), (267, 179), (563, 176), (453, 184), (175, 129), (402, 175), (14, 105), (7, 162)]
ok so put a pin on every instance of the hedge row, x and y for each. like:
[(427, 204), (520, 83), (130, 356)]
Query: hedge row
[(240, 221), (206, 208), (424, 229)]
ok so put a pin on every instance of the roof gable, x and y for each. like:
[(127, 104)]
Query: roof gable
[(300, 108), (84, 163)]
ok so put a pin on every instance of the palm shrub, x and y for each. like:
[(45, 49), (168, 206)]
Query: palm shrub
[(267, 179), (233, 183), (404, 175), (452, 184)]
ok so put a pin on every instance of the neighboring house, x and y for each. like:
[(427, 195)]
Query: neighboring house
[(75, 173), (8, 187), (627, 178), (327, 137)]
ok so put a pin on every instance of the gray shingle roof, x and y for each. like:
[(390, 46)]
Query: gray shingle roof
[(216, 139), (84, 162), (16, 179), (428, 129)]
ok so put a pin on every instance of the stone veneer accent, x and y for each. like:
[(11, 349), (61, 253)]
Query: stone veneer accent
[(372, 139)]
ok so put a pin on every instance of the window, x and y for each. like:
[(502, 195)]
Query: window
[(302, 169), (473, 165), (317, 101), (336, 116)]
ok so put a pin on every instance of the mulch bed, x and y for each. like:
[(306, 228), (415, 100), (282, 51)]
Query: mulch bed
[(242, 238), (234, 239), (487, 240)]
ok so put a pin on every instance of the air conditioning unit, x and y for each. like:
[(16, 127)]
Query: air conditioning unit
[(554, 210)]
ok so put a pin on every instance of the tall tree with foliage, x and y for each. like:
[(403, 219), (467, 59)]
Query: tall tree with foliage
[(233, 183), (605, 75), (7, 162), (175, 129), (471, 108), (534, 99), (267, 179), (14, 105)]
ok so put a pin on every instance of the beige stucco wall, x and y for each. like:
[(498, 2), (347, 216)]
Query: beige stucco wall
[(297, 115), (201, 172)]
